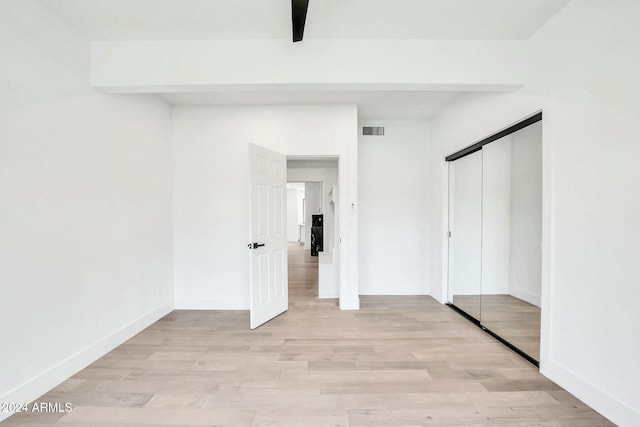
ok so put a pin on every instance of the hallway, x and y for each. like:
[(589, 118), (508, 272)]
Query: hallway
[(303, 275), (399, 361)]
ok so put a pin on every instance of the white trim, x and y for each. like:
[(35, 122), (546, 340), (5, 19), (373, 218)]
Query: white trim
[(444, 233), (211, 304), (393, 290), (527, 296), (621, 413), (329, 295), (55, 375), (348, 303), (546, 268)]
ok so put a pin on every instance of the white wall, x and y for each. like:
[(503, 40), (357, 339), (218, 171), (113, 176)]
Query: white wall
[(394, 216), (313, 206), (496, 216), (211, 225), (300, 213), (85, 208), (525, 267), (293, 229), (584, 68)]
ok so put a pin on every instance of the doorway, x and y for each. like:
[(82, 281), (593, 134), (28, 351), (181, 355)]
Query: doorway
[(303, 199), (312, 227), (268, 228)]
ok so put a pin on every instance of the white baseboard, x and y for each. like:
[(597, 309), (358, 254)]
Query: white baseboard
[(620, 413), (390, 290), (527, 296), (50, 378), (211, 304), (350, 303), (328, 295)]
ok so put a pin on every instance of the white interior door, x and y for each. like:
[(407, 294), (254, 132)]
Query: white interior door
[(268, 247)]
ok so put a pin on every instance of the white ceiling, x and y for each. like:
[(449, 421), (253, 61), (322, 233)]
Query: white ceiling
[(105, 20), (224, 19), (373, 105)]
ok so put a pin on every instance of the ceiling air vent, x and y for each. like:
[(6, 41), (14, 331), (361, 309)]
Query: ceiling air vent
[(373, 130)]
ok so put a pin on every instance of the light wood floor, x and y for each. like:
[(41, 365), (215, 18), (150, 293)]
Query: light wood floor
[(513, 319), (399, 361)]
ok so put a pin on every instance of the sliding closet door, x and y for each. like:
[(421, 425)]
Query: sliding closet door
[(465, 226), (511, 238), (495, 238)]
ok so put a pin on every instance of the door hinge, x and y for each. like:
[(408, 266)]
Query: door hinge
[(449, 233)]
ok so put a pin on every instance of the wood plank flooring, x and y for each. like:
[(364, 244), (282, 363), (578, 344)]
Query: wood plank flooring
[(399, 361), (513, 319)]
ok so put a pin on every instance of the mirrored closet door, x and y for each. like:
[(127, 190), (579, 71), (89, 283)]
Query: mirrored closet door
[(465, 223), (495, 223)]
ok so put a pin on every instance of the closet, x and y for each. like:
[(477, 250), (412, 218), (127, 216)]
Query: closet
[(495, 229)]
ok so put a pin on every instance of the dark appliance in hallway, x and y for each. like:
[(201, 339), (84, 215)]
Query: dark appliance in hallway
[(316, 234)]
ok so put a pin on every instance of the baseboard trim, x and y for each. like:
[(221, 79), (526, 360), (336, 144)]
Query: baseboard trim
[(350, 303), (211, 304), (55, 375), (527, 296), (615, 410), (329, 295), (393, 291)]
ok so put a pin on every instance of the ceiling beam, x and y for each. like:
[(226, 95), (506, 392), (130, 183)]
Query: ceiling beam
[(342, 64)]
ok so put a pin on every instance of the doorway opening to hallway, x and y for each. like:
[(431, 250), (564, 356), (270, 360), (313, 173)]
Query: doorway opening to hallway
[(312, 230)]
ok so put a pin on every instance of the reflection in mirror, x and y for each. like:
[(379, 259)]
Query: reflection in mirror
[(465, 225), (511, 238)]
